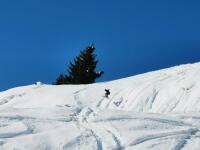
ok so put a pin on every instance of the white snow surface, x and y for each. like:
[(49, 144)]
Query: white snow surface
[(159, 110)]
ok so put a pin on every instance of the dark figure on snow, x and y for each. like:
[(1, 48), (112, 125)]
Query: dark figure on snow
[(107, 93)]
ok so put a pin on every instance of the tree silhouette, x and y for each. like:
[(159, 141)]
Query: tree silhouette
[(83, 69)]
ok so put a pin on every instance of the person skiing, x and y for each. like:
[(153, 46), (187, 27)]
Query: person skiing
[(107, 93)]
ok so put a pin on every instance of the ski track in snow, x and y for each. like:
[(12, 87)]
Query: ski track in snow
[(185, 140)]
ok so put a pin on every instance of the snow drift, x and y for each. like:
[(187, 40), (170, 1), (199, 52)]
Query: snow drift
[(156, 110)]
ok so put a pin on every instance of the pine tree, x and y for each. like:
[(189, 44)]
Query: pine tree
[(83, 70), (60, 80)]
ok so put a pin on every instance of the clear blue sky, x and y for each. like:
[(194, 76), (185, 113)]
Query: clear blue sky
[(38, 38)]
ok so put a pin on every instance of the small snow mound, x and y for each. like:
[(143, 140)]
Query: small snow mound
[(38, 83)]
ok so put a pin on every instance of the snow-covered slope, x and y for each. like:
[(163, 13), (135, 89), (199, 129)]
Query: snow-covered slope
[(156, 110)]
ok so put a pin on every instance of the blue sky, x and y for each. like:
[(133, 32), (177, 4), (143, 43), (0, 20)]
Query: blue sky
[(38, 38)]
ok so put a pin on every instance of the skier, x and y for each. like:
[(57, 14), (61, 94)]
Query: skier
[(107, 93)]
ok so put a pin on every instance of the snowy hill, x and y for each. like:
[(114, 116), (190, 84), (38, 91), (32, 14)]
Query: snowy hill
[(152, 111)]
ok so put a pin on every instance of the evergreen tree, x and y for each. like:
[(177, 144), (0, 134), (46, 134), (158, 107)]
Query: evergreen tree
[(60, 80), (83, 70)]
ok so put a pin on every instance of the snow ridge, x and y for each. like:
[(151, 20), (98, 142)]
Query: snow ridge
[(156, 110)]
